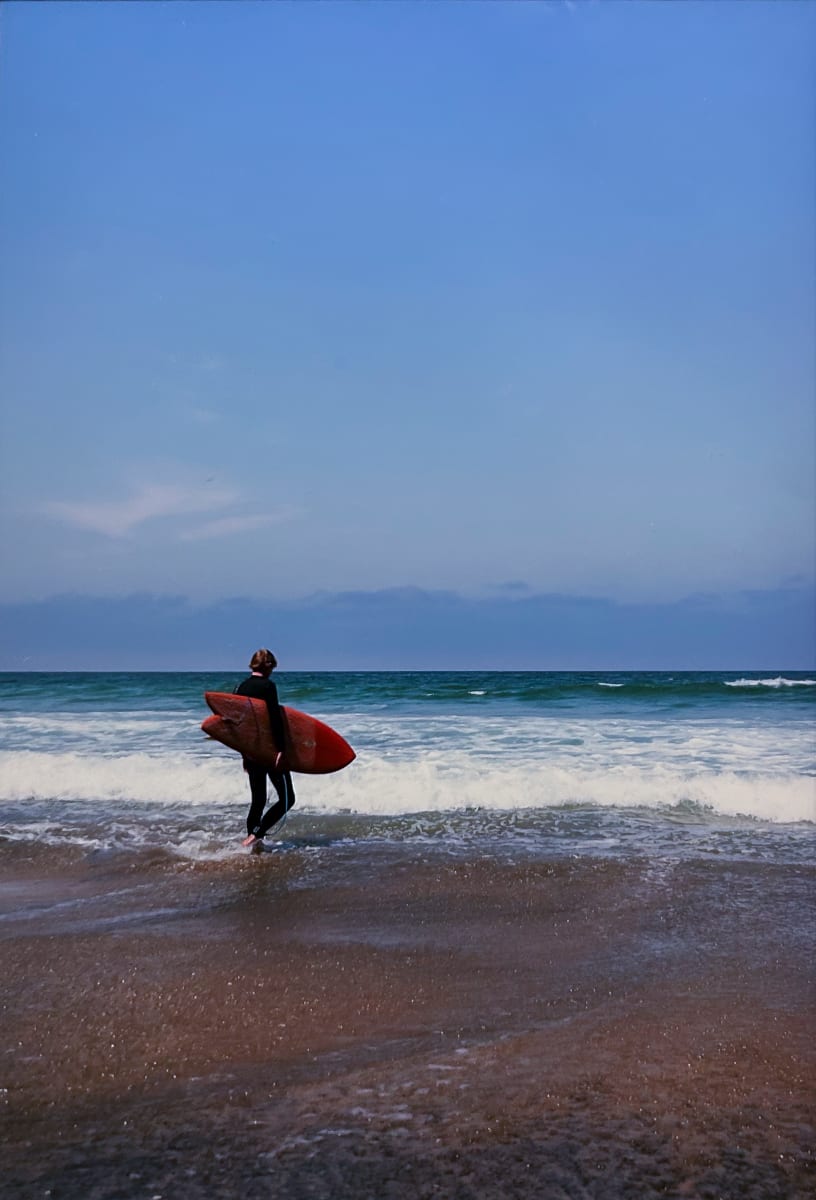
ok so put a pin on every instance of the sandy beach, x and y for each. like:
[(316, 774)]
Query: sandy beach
[(420, 1027)]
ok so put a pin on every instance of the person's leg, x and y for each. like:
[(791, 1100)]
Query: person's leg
[(282, 783), (257, 787)]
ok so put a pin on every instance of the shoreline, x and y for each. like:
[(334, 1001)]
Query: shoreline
[(425, 1026)]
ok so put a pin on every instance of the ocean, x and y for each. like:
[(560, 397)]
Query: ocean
[(550, 934), (534, 763)]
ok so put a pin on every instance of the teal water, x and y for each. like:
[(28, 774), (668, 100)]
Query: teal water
[(712, 692)]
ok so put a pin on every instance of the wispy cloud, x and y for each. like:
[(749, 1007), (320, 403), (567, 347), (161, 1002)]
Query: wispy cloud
[(117, 518), (229, 526), (161, 500)]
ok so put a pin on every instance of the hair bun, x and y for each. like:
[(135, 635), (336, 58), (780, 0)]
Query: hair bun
[(263, 660)]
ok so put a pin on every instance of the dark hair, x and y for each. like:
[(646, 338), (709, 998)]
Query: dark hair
[(263, 660)]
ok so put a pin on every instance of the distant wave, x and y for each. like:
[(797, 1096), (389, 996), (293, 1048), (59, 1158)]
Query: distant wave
[(778, 682)]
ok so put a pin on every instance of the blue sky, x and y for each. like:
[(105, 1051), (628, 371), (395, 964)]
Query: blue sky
[(490, 301)]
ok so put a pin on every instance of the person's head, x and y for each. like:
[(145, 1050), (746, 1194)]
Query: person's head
[(263, 661)]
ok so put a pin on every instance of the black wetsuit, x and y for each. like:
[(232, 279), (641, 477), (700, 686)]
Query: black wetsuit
[(257, 823)]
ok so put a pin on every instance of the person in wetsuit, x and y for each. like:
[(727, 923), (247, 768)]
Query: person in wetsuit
[(259, 685)]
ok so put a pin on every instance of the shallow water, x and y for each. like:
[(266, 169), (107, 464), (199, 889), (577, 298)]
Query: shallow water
[(317, 1020)]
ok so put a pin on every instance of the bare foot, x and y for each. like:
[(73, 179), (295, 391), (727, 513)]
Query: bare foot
[(250, 840)]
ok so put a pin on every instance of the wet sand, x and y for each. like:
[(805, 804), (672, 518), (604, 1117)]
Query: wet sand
[(381, 1022)]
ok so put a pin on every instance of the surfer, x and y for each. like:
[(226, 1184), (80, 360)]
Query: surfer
[(259, 685)]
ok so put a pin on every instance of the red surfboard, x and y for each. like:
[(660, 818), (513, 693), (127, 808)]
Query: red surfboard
[(242, 723)]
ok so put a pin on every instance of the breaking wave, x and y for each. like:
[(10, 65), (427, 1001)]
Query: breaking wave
[(380, 786)]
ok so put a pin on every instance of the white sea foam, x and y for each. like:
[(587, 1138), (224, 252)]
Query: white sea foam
[(424, 761), (112, 732), (379, 786), (136, 778), (778, 681), (383, 788)]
